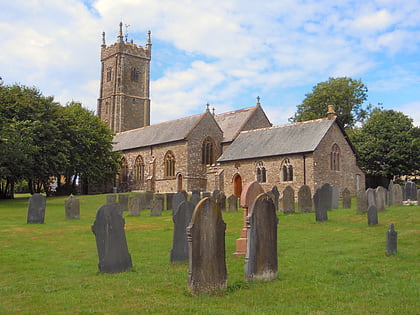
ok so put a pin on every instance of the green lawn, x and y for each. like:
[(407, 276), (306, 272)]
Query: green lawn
[(334, 267)]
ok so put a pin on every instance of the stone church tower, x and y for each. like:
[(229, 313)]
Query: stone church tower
[(124, 101)]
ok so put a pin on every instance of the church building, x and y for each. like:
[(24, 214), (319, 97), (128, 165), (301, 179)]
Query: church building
[(213, 151)]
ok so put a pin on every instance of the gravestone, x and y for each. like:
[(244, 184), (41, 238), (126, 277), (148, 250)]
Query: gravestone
[(111, 199), (372, 215), (288, 200), (206, 194), (322, 202), (305, 199), (361, 201), (335, 195), (397, 195), (195, 199), (380, 197), (142, 201), (232, 203), (391, 240), (185, 194), (221, 201), (346, 199), (261, 255), (196, 192), (404, 195), (123, 201), (134, 205), (182, 219), (176, 200), (72, 206), (169, 198), (371, 197), (148, 197), (206, 242), (36, 209), (160, 197), (390, 196), (411, 191), (156, 207), (276, 198), (111, 242)]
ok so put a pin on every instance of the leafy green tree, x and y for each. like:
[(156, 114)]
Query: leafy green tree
[(388, 144), (346, 94)]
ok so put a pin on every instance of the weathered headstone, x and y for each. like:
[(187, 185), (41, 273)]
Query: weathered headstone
[(305, 199), (335, 196), (72, 206), (182, 219), (111, 242), (206, 194), (111, 198), (372, 215), (346, 199), (134, 205), (361, 201), (169, 198), (411, 191), (390, 196), (276, 194), (261, 256), (391, 240), (160, 197), (207, 257), (288, 200), (221, 201), (397, 195), (371, 197), (232, 203), (176, 200), (195, 199), (123, 201), (380, 197), (142, 201), (148, 197), (185, 194), (36, 209), (322, 202), (196, 192), (156, 207)]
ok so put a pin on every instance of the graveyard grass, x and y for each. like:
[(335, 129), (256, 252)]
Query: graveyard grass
[(338, 266)]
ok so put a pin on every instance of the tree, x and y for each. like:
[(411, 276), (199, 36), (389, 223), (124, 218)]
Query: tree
[(388, 144), (347, 96)]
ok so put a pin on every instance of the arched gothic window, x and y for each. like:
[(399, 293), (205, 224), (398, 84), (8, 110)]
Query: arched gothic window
[(286, 171), (207, 151), (124, 171), (261, 172), (134, 75), (335, 158), (139, 170), (169, 164)]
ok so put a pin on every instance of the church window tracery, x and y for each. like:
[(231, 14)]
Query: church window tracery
[(286, 171), (207, 151), (335, 158), (261, 172), (135, 75), (139, 170), (169, 164)]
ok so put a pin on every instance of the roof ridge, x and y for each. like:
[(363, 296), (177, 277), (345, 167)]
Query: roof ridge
[(287, 125), (236, 111)]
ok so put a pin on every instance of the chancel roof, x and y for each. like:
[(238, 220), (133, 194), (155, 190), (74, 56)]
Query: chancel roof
[(279, 140), (169, 131)]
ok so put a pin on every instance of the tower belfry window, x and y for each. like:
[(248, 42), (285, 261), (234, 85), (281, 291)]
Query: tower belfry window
[(108, 74), (134, 75)]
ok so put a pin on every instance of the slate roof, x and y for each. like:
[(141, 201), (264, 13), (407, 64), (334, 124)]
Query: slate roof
[(165, 132), (231, 123), (279, 140)]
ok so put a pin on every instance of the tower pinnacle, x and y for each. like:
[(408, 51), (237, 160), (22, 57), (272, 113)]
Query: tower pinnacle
[(120, 36)]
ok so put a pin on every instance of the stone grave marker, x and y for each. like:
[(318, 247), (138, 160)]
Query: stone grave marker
[(288, 200), (335, 196), (185, 194), (206, 194), (156, 207), (196, 192), (195, 199), (142, 201), (361, 206), (380, 197), (221, 201), (397, 195), (372, 215), (182, 219), (391, 240), (36, 209), (276, 198), (322, 202), (232, 203), (148, 197), (111, 198), (123, 201), (411, 191), (371, 197), (111, 242), (72, 206), (162, 198), (261, 255), (176, 200), (346, 199), (305, 199), (404, 194), (134, 205), (390, 196), (207, 258), (169, 198)]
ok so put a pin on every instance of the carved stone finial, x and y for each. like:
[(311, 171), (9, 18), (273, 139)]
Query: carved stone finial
[(120, 35), (258, 100), (103, 40), (208, 107), (213, 110)]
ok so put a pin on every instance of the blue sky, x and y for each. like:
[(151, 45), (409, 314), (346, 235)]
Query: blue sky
[(225, 53)]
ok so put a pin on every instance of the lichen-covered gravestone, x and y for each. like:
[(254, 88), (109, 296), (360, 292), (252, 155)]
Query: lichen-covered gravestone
[(391, 240), (36, 209), (335, 194), (361, 206), (380, 197), (72, 206), (134, 205), (288, 200), (207, 257), (372, 215), (305, 199), (397, 194), (322, 202), (156, 207), (232, 203), (123, 201), (111, 242), (261, 255), (346, 199), (182, 219)]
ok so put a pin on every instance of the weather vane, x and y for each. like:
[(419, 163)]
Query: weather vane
[(126, 31)]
